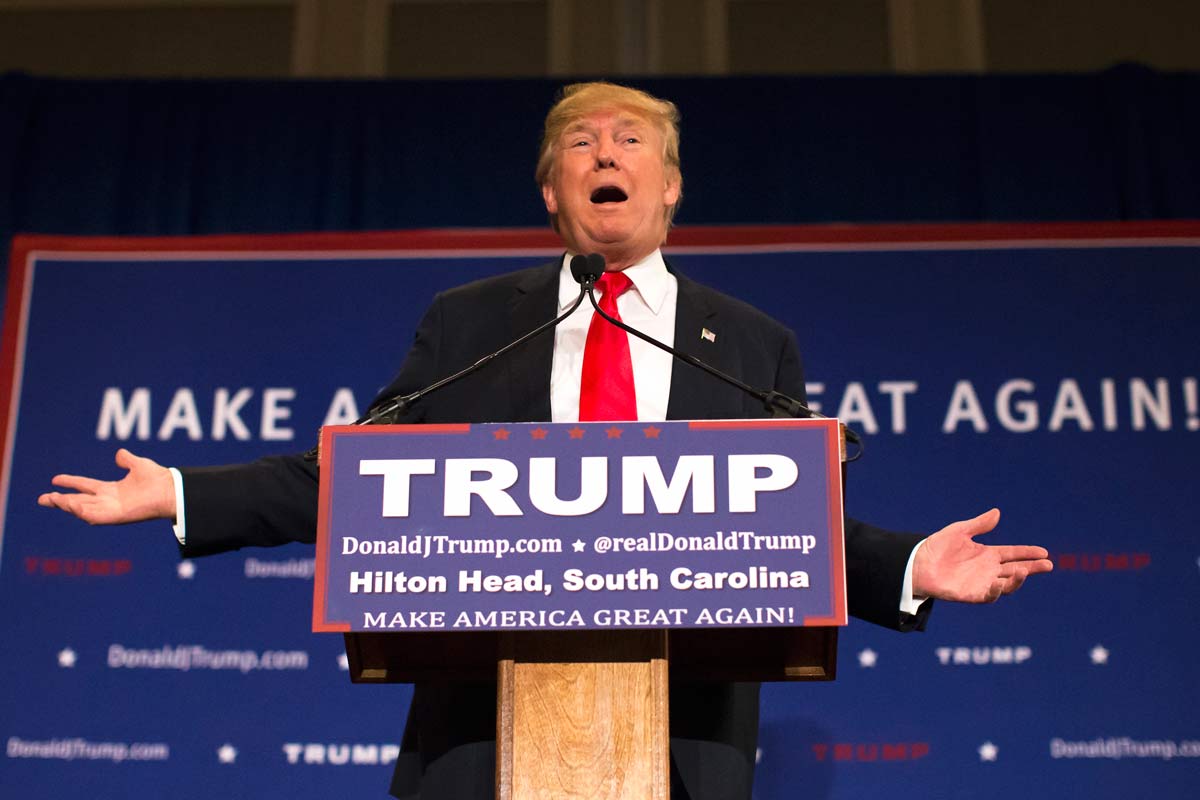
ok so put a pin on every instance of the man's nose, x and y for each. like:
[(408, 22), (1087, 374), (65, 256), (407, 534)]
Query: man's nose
[(605, 155)]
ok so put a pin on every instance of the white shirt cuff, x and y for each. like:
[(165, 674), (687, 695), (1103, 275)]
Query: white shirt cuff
[(180, 524), (908, 603)]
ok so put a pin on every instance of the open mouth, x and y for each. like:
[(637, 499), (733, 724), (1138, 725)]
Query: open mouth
[(609, 194)]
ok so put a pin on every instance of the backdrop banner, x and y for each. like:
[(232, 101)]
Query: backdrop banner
[(1050, 370)]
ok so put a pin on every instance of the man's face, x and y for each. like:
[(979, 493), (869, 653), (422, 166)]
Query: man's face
[(609, 187)]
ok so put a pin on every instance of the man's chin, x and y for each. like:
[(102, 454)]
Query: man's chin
[(600, 238), (614, 239)]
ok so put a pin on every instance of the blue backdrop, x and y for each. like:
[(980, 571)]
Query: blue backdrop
[(1054, 380)]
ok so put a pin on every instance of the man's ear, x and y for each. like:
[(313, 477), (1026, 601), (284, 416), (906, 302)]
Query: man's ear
[(549, 198), (672, 191)]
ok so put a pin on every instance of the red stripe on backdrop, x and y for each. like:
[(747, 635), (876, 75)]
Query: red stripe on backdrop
[(519, 239)]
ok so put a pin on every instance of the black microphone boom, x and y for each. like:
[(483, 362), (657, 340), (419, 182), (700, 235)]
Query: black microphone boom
[(586, 270), (777, 403), (392, 409)]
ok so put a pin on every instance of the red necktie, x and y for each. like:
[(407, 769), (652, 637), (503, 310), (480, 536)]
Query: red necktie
[(606, 392)]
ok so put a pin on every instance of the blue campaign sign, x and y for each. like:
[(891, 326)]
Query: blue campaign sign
[(596, 525)]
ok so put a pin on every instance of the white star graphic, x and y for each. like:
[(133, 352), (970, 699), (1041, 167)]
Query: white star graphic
[(988, 751), (867, 657), (579, 545), (186, 570), (758, 755), (66, 657), (343, 662), (1099, 654), (227, 753)]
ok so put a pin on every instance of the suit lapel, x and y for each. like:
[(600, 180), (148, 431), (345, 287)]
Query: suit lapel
[(691, 390), (534, 302)]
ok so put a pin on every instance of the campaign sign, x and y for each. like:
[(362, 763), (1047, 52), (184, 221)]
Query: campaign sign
[(580, 526)]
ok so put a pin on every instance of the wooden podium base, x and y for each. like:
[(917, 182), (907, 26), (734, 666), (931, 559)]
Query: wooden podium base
[(583, 715)]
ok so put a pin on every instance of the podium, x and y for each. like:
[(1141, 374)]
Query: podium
[(581, 712)]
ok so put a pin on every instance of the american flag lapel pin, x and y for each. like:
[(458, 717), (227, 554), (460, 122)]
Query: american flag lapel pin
[(708, 335)]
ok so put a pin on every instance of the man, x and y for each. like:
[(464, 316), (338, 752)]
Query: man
[(610, 179)]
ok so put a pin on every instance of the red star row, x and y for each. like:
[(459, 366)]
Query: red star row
[(502, 434)]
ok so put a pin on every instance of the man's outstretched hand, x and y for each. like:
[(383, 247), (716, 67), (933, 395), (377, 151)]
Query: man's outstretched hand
[(951, 565), (146, 492)]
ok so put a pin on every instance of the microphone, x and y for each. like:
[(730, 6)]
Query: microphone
[(585, 269), (777, 403)]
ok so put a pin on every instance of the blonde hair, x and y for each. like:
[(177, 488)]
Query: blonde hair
[(579, 100)]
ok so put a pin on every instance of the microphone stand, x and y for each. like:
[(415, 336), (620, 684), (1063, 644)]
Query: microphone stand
[(587, 270), (777, 403), (388, 412)]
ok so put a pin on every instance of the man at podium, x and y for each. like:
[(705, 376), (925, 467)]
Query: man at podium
[(609, 173)]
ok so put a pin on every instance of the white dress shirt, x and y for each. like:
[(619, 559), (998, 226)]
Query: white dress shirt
[(649, 306)]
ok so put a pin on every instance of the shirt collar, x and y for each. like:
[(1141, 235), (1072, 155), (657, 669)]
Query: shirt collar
[(649, 276)]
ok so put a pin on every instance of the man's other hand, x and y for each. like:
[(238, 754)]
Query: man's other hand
[(951, 565), (146, 492)]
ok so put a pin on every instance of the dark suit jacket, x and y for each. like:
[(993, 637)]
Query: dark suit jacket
[(448, 748)]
